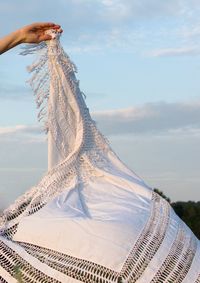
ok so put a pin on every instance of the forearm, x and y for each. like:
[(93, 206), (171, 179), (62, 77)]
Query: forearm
[(10, 41)]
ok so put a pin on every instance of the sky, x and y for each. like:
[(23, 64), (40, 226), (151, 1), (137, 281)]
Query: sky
[(139, 66)]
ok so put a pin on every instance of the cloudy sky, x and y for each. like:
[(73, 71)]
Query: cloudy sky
[(139, 66)]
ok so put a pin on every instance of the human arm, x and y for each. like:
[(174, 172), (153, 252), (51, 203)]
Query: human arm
[(34, 33)]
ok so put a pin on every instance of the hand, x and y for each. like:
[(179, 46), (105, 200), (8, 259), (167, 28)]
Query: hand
[(35, 33)]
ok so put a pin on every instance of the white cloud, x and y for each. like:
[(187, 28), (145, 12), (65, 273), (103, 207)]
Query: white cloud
[(181, 51), (191, 32), (21, 133), (19, 129), (159, 119), (140, 9), (152, 118), (116, 10), (160, 141)]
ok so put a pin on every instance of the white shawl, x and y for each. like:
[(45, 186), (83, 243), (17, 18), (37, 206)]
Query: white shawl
[(90, 219)]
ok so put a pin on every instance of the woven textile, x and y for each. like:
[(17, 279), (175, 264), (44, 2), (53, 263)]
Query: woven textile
[(90, 218)]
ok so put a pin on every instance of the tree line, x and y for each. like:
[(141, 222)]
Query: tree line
[(188, 211)]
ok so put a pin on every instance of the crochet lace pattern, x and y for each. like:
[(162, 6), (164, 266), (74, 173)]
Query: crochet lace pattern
[(165, 250)]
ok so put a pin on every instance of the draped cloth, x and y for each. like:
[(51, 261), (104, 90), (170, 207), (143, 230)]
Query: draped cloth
[(90, 218)]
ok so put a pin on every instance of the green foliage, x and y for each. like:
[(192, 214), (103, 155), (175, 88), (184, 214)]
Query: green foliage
[(18, 274), (189, 212), (162, 195)]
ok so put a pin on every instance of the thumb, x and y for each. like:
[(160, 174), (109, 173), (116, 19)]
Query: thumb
[(45, 37)]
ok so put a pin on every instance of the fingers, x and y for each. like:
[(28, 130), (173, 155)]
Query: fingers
[(45, 37), (60, 30), (46, 25)]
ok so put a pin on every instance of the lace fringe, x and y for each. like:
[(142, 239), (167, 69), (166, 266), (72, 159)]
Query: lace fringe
[(40, 79)]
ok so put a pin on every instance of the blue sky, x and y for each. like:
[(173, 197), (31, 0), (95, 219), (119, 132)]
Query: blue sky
[(139, 66)]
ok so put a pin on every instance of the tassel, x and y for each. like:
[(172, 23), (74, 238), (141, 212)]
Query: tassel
[(39, 81)]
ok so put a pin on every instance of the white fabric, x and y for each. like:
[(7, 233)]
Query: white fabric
[(94, 213), (89, 223), (35, 263), (90, 219), (7, 276)]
